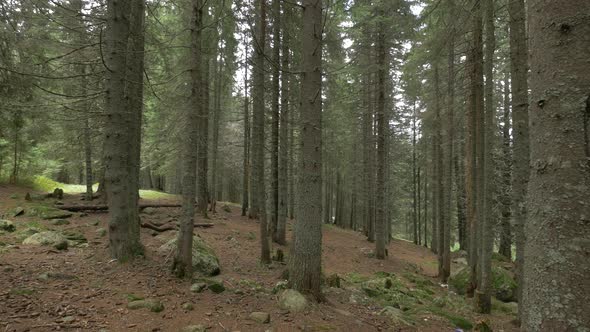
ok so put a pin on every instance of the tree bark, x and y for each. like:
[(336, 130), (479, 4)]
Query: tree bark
[(520, 123), (483, 300), (246, 161), (124, 239), (556, 269), (274, 137), (505, 248), (258, 189), (182, 264), (281, 237), (381, 232), (305, 263)]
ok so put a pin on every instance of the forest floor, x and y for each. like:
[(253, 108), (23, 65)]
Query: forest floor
[(82, 289)]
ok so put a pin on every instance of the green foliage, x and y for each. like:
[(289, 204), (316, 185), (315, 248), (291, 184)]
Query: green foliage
[(503, 284)]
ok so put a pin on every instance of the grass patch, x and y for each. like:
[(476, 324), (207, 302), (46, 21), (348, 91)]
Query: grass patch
[(46, 184), (42, 183), (22, 291), (152, 194), (457, 321)]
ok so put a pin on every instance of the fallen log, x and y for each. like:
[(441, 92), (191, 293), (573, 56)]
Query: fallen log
[(169, 227), (77, 208), (163, 228)]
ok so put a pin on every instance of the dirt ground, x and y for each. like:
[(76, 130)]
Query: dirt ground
[(91, 290)]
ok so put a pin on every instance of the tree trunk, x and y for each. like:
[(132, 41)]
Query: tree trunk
[(281, 237), (520, 123), (414, 177), (258, 189), (474, 144), (306, 252), (274, 137), (483, 300), (246, 161), (557, 287), (203, 135), (505, 248), (381, 232), (122, 197), (182, 264)]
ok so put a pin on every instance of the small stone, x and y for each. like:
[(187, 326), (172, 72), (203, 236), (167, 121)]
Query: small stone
[(188, 306), (198, 287), (68, 319), (194, 328), (58, 203), (292, 300), (60, 222), (260, 317), (217, 287), (152, 305), (101, 232), (43, 276), (333, 281)]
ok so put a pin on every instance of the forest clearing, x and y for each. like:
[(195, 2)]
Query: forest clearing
[(295, 165)]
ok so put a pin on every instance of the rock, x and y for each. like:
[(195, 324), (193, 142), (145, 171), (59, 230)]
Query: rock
[(198, 287), (281, 285), (58, 203), (60, 222), (205, 261), (49, 238), (68, 319), (214, 285), (47, 212), (460, 260), (101, 232), (55, 276), (18, 211), (75, 238), (187, 306), (504, 285), (333, 281), (226, 208), (7, 226), (395, 314), (194, 328), (58, 193), (260, 317), (152, 305), (148, 211), (292, 300)]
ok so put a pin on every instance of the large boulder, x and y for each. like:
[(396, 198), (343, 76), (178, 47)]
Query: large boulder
[(205, 261), (503, 283), (47, 212), (48, 238), (7, 226), (292, 300)]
